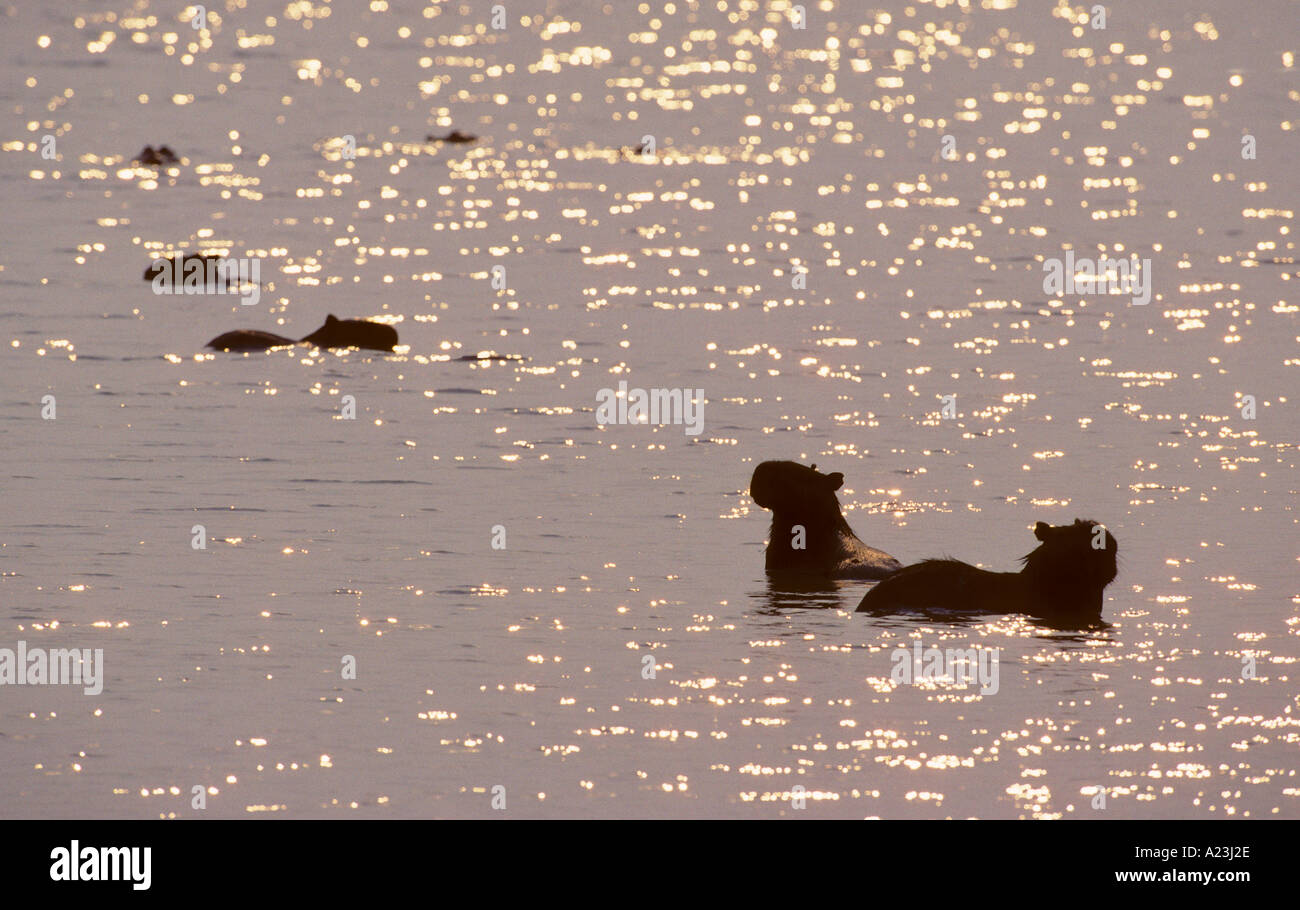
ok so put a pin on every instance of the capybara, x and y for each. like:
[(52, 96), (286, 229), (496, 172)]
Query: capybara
[(809, 535), (335, 333), (1062, 580), (248, 340), (454, 136), (353, 333), (151, 157), (211, 267)]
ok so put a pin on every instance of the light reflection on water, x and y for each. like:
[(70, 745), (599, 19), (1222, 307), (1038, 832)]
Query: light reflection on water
[(799, 245)]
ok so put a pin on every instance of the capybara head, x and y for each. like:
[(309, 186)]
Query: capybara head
[(1077, 555), (353, 333), (809, 533), (796, 491), (789, 485)]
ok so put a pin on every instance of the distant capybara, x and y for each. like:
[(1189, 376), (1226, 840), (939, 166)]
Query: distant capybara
[(454, 136), (248, 340), (151, 157), (211, 267), (809, 535), (1062, 580), (353, 333), (335, 333)]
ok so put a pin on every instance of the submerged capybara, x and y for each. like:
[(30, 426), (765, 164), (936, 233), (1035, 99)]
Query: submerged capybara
[(1062, 580), (353, 333), (211, 267), (156, 157), (248, 340), (809, 535), (335, 333), (454, 136)]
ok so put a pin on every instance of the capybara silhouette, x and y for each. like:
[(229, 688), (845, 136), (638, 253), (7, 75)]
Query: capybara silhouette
[(809, 535), (156, 157), (353, 333), (1062, 580), (335, 333), (453, 136), (173, 268), (248, 340)]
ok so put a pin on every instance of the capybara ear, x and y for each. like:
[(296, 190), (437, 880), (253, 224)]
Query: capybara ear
[(1041, 529), (835, 481)]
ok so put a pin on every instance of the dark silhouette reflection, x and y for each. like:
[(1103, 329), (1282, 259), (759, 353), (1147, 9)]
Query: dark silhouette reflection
[(1098, 632), (805, 592), (908, 616), (1051, 627)]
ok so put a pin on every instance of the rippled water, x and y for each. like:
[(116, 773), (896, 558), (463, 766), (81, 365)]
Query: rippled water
[(805, 245)]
